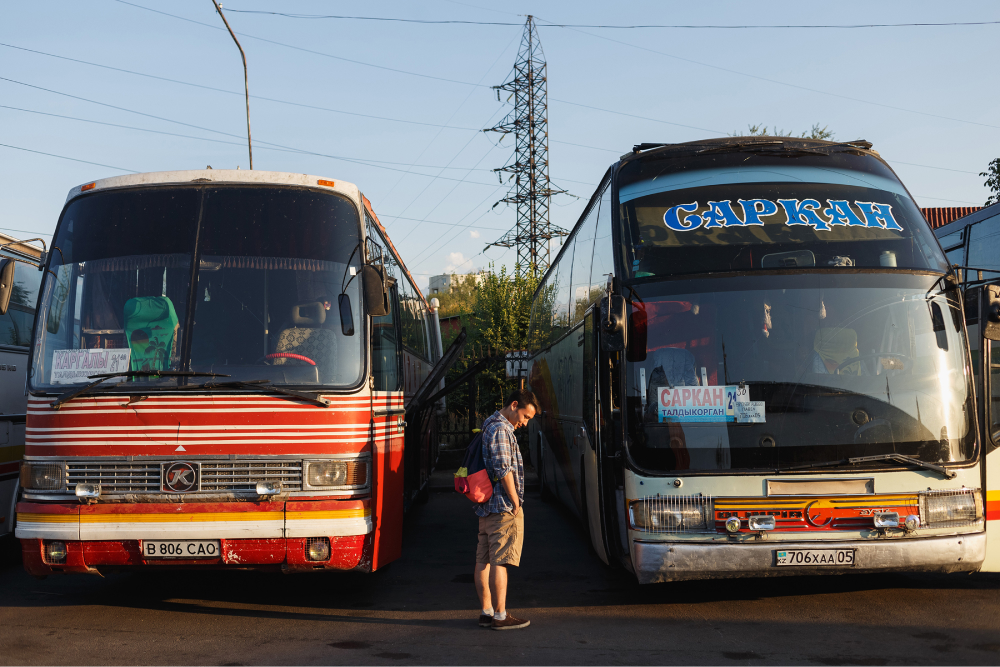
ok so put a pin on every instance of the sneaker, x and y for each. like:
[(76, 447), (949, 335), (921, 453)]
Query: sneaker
[(485, 620), (509, 623)]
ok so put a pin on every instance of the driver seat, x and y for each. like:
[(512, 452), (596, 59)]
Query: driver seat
[(308, 337)]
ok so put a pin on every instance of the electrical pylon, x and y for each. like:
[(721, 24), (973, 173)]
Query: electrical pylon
[(531, 191)]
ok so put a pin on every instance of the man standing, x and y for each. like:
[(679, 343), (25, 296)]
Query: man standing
[(501, 518)]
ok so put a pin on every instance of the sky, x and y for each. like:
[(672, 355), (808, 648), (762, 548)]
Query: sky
[(99, 88)]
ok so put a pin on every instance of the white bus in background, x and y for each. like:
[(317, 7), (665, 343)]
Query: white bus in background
[(15, 340)]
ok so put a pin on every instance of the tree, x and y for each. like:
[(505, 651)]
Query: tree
[(461, 297), (816, 132), (992, 181)]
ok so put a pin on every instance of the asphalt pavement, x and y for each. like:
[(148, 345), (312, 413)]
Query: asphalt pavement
[(423, 609)]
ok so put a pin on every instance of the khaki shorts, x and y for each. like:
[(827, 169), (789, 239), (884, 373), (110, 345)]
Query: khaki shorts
[(500, 539)]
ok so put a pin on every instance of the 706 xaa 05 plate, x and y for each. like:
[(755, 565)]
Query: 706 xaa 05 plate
[(819, 557)]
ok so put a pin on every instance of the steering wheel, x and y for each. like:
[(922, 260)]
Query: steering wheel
[(877, 355), (289, 355)]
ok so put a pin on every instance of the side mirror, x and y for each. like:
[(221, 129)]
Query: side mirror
[(989, 312), (613, 333), (376, 297), (6, 284), (636, 350), (346, 316)]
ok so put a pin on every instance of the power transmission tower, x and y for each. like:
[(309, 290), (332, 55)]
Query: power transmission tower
[(531, 191)]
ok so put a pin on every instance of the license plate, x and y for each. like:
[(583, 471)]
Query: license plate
[(181, 549), (842, 557)]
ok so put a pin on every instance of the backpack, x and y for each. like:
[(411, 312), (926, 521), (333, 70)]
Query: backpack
[(472, 480)]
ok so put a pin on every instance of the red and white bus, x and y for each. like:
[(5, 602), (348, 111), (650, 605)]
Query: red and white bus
[(221, 369)]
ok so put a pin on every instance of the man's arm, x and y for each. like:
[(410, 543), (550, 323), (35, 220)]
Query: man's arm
[(511, 490)]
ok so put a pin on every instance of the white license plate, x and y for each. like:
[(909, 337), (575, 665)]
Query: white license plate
[(842, 557), (199, 549)]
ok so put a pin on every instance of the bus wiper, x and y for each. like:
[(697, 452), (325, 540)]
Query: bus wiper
[(260, 384), (899, 458), (102, 377)]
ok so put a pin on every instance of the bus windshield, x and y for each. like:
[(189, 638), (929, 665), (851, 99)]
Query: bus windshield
[(766, 371), (772, 217), (235, 280)]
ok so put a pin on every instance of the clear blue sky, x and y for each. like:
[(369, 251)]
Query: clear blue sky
[(925, 96)]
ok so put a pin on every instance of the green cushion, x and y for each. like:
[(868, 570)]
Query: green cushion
[(151, 329)]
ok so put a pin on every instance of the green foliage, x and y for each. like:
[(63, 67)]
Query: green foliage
[(816, 132), (496, 322), (993, 182), (461, 298)]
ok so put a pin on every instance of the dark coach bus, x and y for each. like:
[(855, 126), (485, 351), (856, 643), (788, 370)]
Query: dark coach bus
[(752, 360)]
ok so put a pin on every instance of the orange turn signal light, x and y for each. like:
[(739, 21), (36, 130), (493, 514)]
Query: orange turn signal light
[(327, 183), (88, 186)]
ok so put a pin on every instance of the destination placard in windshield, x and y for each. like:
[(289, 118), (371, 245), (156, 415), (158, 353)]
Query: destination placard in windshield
[(775, 225)]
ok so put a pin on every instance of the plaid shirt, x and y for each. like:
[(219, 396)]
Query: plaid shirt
[(501, 455)]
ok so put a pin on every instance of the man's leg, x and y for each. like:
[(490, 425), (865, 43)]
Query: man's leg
[(482, 579), (498, 585)]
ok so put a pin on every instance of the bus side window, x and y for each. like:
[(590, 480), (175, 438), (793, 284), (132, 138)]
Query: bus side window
[(993, 409), (385, 348)]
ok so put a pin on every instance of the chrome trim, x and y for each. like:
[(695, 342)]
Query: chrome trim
[(679, 561)]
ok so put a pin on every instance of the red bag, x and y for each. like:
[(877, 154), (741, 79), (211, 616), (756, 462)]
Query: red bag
[(472, 480)]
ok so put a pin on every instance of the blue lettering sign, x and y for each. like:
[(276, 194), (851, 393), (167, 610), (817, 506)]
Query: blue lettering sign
[(755, 209), (721, 214), (841, 213), (878, 215), (672, 219), (803, 212)]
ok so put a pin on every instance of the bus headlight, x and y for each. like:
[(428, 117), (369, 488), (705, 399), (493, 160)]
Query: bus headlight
[(948, 509), (671, 514), (336, 473), (42, 476)]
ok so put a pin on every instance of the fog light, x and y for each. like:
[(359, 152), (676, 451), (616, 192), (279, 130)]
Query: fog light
[(911, 523), (760, 523), (88, 491), (733, 524), (55, 552), (268, 488), (42, 476), (318, 549), (886, 519)]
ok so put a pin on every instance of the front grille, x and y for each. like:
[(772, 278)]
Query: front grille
[(244, 475), (114, 478), (216, 476)]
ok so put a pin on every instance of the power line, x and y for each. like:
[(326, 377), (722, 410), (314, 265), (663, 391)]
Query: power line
[(616, 26), (25, 231), (781, 83), (263, 144), (300, 48), (668, 55), (234, 92), (73, 159)]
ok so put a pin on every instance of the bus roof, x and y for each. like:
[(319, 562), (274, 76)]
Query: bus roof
[(219, 176)]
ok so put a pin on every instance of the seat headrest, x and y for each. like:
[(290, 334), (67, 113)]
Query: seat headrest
[(310, 314)]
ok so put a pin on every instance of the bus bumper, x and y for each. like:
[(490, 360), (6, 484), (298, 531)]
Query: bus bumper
[(656, 562), (261, 535)]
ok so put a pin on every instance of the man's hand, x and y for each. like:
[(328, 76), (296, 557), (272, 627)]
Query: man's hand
[(507, 481)]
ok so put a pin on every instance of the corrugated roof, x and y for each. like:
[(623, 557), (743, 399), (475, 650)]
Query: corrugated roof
[(938, 217)]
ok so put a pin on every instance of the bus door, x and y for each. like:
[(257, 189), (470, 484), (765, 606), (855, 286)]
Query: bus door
[(989, 339), (608, 349), (593, 500), (387, 440)]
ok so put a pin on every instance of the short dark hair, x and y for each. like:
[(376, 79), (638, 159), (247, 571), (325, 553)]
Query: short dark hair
[(524, 398)]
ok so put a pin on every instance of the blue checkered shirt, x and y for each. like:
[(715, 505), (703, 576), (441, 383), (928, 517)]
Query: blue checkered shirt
[(501, 455)]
